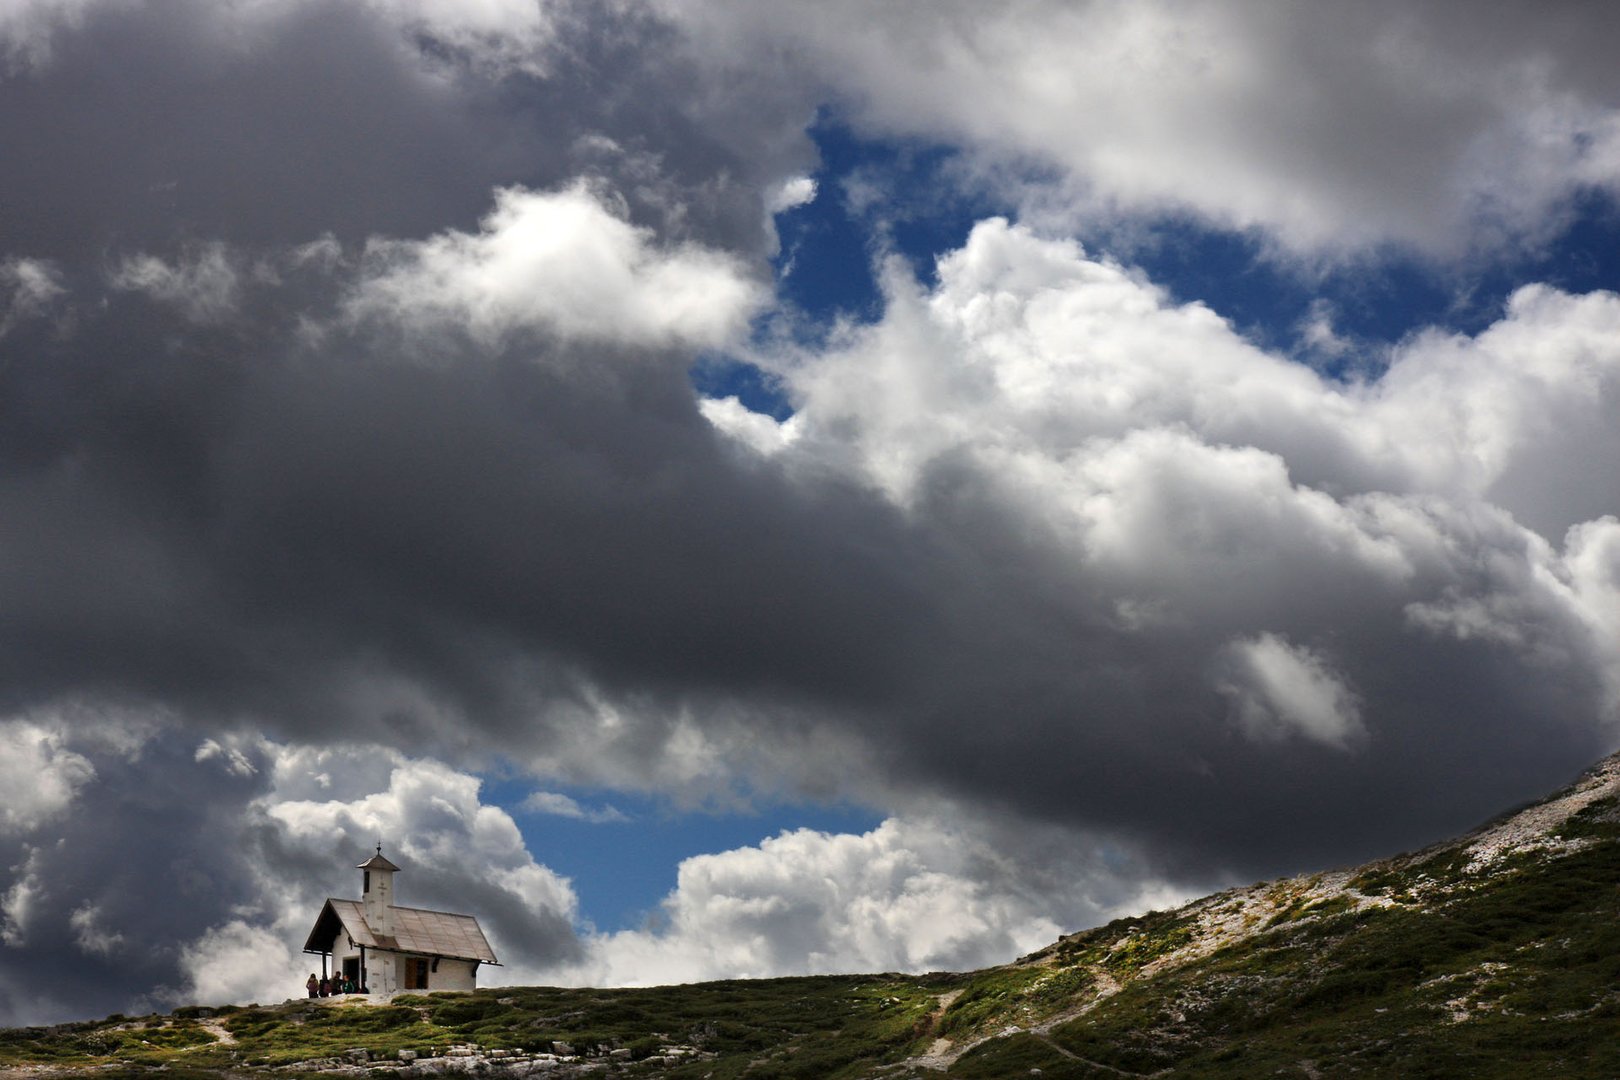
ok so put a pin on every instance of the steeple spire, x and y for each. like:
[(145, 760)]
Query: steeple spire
[(377, 885), (377, 862)]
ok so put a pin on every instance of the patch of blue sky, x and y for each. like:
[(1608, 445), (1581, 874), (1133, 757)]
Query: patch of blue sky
[(623, 862), (1375, 300), (873, 197), (824, 265), (1272, 301), (717, 375), (904, 197)]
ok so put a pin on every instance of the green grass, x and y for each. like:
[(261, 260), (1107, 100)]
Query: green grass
[(1305, 908), (1150, 943), (814, 1027)]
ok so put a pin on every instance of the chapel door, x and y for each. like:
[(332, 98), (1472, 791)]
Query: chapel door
[(416, 973)]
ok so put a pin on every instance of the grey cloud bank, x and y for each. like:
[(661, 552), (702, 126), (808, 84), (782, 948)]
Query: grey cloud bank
[(347, 446)]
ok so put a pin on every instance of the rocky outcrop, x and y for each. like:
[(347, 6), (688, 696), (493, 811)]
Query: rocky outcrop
[(470, 1059)]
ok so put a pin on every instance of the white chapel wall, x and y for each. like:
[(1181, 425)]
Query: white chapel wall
[(454, 975)]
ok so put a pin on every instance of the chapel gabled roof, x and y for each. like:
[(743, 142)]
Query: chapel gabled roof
[(416, 930)]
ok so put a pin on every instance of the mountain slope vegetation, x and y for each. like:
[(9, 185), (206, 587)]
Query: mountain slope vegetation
[(1494, 955)]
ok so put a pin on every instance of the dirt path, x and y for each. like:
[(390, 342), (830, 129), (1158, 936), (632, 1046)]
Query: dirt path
[(942, 1053), (938, 1056), (1072, 1056), (218, 1031)]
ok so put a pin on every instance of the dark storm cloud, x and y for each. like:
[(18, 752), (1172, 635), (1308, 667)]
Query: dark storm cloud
[(154, 123), (131, 860), (155, 120), (1032, 703), (236, 528), (169, 466)]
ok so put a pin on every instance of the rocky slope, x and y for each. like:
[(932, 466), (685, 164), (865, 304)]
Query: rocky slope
[(1497, 954)]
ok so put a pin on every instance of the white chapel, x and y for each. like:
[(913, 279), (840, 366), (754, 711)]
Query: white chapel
[(385, 948)]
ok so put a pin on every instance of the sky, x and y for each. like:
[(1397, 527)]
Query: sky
[(725, 489)]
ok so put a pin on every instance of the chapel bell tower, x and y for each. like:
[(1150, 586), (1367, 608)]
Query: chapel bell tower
[(377, 888)]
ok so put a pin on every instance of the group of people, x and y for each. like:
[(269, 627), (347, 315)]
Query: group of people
[(320, 986)]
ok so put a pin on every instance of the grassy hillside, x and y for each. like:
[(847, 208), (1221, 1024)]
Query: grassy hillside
[(815, 1026), (1497, 955)]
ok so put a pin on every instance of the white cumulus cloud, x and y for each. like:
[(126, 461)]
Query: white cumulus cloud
[(1227, 498), (564, 263), (457, 853), (38, 774), (1279, 689), (91, 934), (32, 285), (240, 962), (913, 894)]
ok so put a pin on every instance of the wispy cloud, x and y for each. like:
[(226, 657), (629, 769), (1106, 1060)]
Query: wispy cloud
[(557, 804)]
